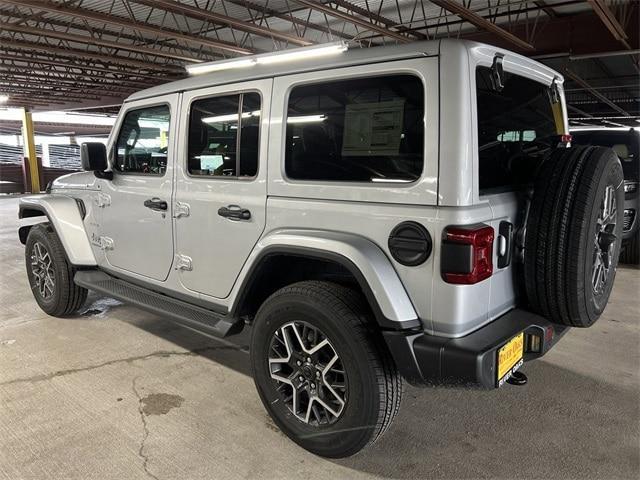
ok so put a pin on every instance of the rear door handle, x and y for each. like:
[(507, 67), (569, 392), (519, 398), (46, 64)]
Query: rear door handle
[(156, 204), (234, 212)]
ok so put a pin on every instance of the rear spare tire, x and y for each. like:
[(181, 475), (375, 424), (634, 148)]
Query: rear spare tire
[(573, 236)]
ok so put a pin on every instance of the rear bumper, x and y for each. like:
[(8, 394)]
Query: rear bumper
[(470, 360)]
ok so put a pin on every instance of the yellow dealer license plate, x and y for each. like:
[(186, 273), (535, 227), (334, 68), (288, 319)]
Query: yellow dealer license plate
[(510, 358)]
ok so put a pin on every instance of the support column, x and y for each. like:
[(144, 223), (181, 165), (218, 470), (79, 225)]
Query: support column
[(30, 150)]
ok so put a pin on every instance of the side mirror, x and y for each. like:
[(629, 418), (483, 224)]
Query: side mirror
[(93, 158)]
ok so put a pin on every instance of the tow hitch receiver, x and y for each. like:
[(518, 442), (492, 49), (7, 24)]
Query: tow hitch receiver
[(517, 378)]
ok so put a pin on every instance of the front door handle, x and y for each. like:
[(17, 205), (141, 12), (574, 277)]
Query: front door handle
[(156, 204), (234, 212)]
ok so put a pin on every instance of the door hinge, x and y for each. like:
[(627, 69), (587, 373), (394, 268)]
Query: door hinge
[(102, 200), (106, 243), (181, 209), (184, 262)]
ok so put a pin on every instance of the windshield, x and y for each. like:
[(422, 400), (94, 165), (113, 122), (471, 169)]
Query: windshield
[(516, 127)]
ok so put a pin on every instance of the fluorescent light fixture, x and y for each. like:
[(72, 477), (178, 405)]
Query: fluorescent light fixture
[(4, 98), (302, 53), (199, 68), (289, 55), (233, 117), (307, 119)]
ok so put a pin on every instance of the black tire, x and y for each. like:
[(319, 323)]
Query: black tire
[(563, 237), (373, 387), (631, 250), (62, 297)]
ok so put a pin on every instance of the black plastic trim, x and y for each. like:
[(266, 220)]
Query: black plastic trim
[(505, 230), (470, 360), (410, 244)]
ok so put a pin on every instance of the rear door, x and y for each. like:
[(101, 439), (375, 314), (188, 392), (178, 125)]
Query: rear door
[(220, 197), (136, 230)]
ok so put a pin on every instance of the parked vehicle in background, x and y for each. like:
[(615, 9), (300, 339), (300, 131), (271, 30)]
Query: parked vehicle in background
[(626, 144), (405, 211)]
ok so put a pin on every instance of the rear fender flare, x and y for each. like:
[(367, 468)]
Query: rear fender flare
[(365, 260), (63, 213)]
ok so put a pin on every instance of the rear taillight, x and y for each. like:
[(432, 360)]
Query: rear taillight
[(467, 254)]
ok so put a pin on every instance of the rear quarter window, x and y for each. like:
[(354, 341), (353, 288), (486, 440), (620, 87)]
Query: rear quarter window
[(357, 130)]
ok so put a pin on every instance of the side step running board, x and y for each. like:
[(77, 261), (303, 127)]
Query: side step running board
[(177, 310)]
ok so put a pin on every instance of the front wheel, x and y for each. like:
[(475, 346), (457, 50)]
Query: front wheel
[(321, 370), (50, 274)]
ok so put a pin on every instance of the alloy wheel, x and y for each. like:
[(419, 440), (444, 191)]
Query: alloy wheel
[(308, 373), (605, 241), (43, 271)]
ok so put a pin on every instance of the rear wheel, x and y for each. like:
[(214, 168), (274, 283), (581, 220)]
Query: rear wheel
[(573, 235), (50, 274), (321, 370)]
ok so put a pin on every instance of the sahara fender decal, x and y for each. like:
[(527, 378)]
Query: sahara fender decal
[(63, 213), (365, 260)]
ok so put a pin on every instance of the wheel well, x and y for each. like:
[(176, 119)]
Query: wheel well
[(279, 270), (23, 232)]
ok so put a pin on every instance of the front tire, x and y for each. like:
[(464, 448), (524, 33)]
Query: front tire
[(321, 370), (50, 274)]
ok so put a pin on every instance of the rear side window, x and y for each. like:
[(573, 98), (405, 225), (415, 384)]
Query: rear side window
[(516, 128), (143, 141), (359, 130), (223, 136)]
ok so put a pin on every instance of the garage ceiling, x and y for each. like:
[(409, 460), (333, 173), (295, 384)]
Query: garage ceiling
[(82, 54)]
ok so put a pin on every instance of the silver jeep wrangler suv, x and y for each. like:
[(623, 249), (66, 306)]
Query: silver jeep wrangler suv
[(409, 211)]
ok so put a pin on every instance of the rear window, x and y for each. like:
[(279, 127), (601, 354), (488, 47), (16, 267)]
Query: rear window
[(358, 130), (516, 128)]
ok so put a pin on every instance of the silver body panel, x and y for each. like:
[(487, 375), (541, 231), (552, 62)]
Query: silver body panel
[(349, 219)]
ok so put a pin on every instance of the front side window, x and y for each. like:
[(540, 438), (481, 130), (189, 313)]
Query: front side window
[(143, 141), (358, 130), (516, 128), (223, 136)]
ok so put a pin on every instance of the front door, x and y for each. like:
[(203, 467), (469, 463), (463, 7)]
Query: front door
[(220, 197), (136, 228)]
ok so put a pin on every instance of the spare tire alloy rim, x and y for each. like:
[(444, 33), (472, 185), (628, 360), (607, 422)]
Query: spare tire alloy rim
[(308, 373), (42, 270), (605, 241)]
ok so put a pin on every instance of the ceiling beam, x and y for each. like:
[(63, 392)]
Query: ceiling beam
[(573, 76), (271, 12), (91, 15), (74, 77), (30, 60), (482, 23), (73, 81), (610, 21), (85, 39), (89, 56), (564, 35), (207, 15), (47, 94), (60, 23), (378, 18), (367, 25), (61, 87), (546, 8)]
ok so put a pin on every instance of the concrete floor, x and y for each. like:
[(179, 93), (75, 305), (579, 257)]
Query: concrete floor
[(117, 393)]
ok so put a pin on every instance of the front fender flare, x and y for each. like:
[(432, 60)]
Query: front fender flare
[(364, 259), (63, 214)]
